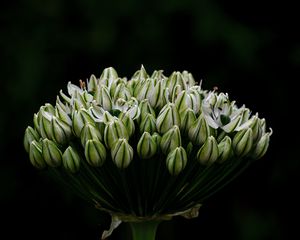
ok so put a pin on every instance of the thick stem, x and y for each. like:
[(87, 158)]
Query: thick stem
[(144, 230)]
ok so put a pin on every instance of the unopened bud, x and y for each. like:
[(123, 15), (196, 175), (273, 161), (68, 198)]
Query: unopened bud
[(262, 146), (199, 131), (176, 161), (61, 131), (187, 117), (242, 142), (167, 118), (148, 124), (95, 153), (225, 150), (35, 155), (89, 132), (71, 160), (209, 152), (122, 153), (113, 131), (128, 122), (103, 98), (30, 135), (170, 140), (79, 119), (146, 147), (51, 153)]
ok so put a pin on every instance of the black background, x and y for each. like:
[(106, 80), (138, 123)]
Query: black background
[(249, 49)]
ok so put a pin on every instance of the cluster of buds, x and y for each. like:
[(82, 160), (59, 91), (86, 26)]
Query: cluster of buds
[(112, 125)]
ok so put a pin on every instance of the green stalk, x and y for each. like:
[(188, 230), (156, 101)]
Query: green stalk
[(144, 230)]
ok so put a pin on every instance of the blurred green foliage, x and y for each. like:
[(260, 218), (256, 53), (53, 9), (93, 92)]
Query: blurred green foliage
[(245, 48)]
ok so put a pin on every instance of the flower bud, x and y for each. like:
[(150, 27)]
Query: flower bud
[(146, 147), (148, 124), (122, 153), (175, 78), (176, 161), (108, 76), (157, 139), (188, 78), (170, 140), (122, 91), (89, 132), (262, 146), (61, 131), (95, 153), (45, 125), (35, 155), (71, 160), (92, 83), (187, 118), (79, 119), (113, 131), (145, 108), (225, 150), (62, 115), (155, 94), (128, 122), (209, 152), (103, 98), (199, 131), (30, 135), (183, 101), (51, 153), (242, 142), (167, 118), (233, 123), (145, 89)]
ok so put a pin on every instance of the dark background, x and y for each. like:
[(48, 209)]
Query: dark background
[(249, 49)]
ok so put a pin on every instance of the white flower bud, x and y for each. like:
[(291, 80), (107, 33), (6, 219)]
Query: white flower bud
[(122, 153), (170, 140), (242, 142), (167, 118), (71, 160), (146, 147), (95, 153), (51, 153), (176, 161), (209, 152), (35, 155)]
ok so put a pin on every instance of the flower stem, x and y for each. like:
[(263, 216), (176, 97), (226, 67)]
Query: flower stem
[(144, 230)]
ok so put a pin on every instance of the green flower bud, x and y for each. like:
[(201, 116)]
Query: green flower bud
[(146, 147), (167, 118), (157, 139), (209, 152), (79, 119), (35, 155), (61, 131), (122, 153), (89, 132), (140, 74), (92, 83), (36, 123), (51, 153), (148, 124), (225, 150), (262, 146), (45, 125), (144, 90), (113, 131), (189, 148), (188, 78), (187, 119), (62, 115), (128, 122), (183, 101), (71, 160), (145, 109), (95, 153), (176, 78), (176, 161), (170, 140), (30, 135), (232, 125), (155, 95), (121, 91), (242, 142), (103, 98), (108, 76), (199, 131)]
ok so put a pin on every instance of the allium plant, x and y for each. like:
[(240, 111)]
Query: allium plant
[(145, 149)]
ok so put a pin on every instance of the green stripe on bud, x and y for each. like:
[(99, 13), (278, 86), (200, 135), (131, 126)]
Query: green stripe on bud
[(262, 146), (61, 131), (35, 155), (30, 135), (170, 140), (225, 150), (95, 153), (209, 152), (167, 118), (108, 76), (103, 98), (61, 114), (44, 119), (145, 109), (113, 131), (242, 142), (92, 83), (128, 122), (89, 132), (146, 147), (148, 124), (79, 119), (51, 153), (71, 160), (122, 153), (187, 118), (199, 131), (176, 161)]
